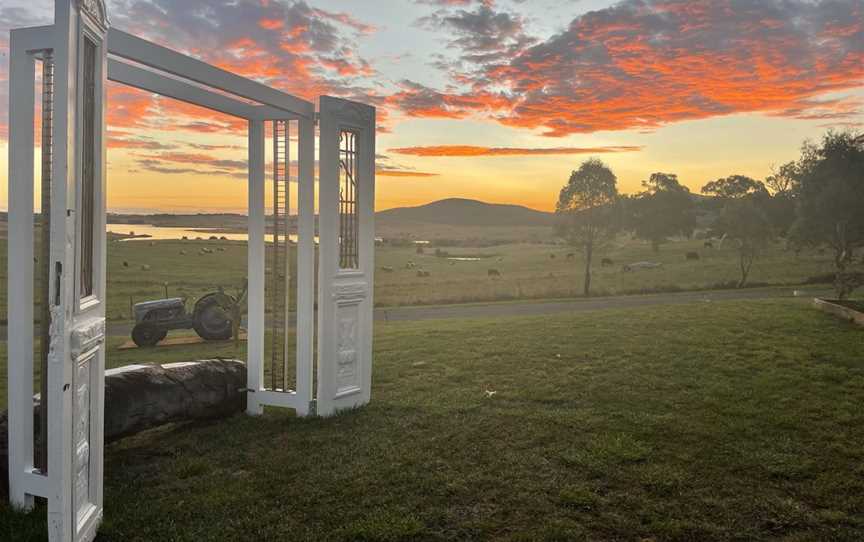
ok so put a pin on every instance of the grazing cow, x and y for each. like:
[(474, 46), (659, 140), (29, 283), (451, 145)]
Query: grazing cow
[(410, 265), (708, 244), (606, 262), (692, 256), (452, 262), (387, 269), (493, 273), (125, 263), (422, 273), (145, 267), (220, 249), (571, 255), (182, 252)]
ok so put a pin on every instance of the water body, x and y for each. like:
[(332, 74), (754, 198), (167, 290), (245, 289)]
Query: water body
[(161, 233)]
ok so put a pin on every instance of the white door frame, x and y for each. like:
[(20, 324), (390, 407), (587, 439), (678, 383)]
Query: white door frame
[(129, 65)]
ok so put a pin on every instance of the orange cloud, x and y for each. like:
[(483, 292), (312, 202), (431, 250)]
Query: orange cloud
[(472, 150), (271, 24), (641, 64)]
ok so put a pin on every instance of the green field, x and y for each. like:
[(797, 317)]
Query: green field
[(527, 271), (721, 421)]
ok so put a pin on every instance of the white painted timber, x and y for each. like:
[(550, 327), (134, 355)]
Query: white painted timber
[(345, 295), (144, 52), (171, 87), (256, 261), (41, 37), (280, 399), (76, 358), (34, 38), (305, 264), (20, 272), (62, 263)]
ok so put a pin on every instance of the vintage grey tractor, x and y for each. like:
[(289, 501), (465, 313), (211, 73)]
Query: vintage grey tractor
[(210, 318)]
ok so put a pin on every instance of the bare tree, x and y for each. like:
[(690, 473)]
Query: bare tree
[(743, 218)]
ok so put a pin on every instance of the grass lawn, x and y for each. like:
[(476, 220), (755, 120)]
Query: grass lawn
[(713, 421)]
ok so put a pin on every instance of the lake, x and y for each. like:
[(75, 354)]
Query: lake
[(173, 232)]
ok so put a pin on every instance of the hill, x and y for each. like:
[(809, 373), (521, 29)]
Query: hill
[(465, 212)]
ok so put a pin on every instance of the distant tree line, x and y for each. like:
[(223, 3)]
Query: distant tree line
[(815, 201)]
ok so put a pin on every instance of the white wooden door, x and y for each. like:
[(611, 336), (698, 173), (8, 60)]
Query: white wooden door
[(76, 358), (346, 254)]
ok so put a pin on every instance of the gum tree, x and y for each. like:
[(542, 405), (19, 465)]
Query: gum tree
[(830, 203), (662, 210), (586, 210)]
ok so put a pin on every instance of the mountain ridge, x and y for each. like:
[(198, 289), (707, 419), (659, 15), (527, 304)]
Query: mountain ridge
[(467, 212)]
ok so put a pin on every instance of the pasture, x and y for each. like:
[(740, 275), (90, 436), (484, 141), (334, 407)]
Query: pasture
[(609, 425), (521, 271)]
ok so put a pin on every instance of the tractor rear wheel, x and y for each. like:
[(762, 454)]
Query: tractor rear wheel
[(212, 321), (146, 334)]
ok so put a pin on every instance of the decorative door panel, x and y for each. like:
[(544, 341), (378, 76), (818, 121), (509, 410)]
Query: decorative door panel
[(76, 359), (346, 255), (85, 506)]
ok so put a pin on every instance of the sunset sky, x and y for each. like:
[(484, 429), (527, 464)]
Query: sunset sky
[(496, 99)]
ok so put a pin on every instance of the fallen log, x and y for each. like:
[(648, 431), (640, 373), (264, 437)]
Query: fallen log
[(139, 397)]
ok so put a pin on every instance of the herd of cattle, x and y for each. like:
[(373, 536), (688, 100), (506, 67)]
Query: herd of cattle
[(605, 262), (490, 272)]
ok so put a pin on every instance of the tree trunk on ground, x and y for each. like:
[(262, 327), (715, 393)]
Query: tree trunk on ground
[(589, 252), (141, 398)]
